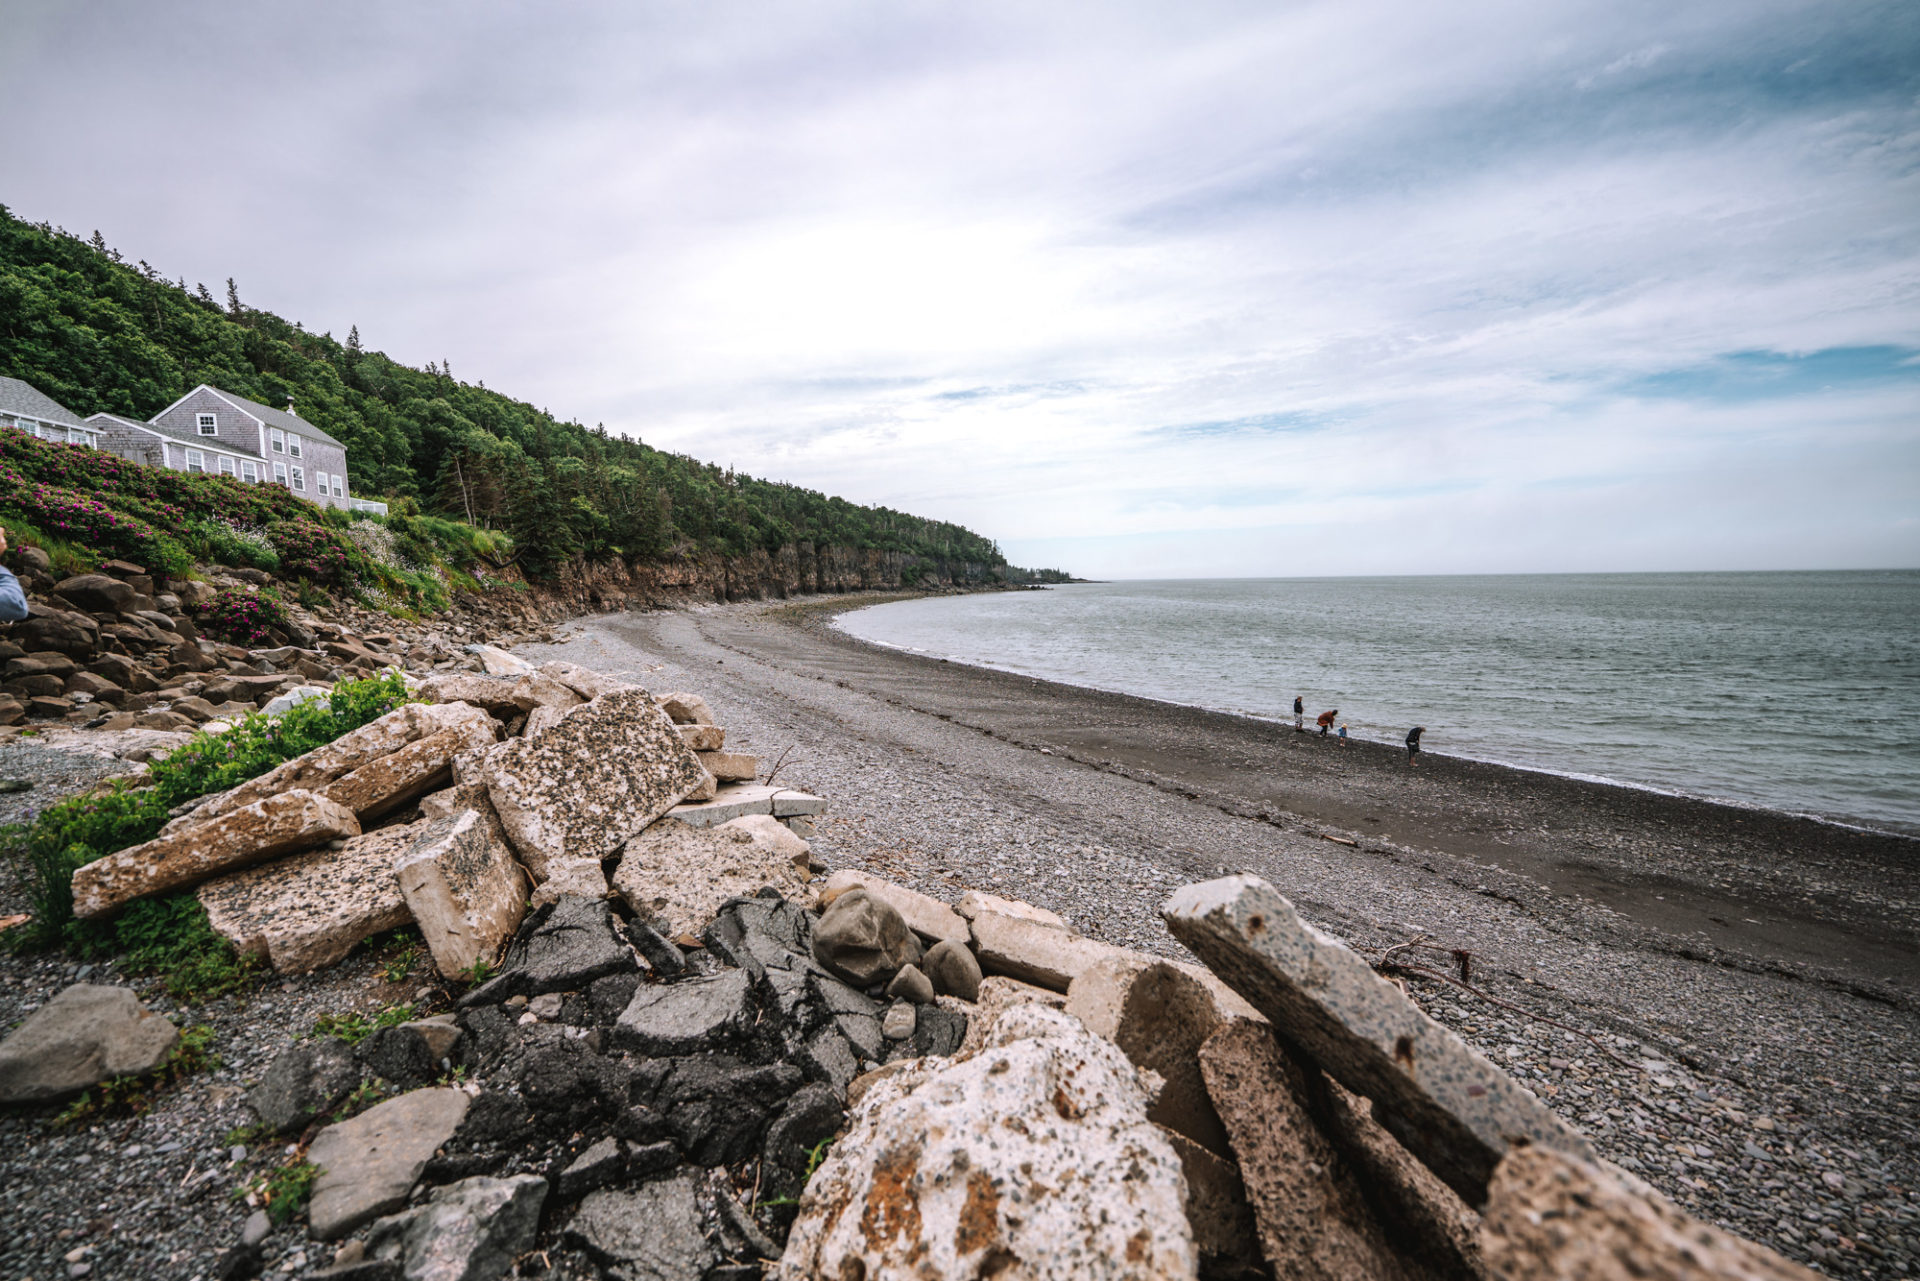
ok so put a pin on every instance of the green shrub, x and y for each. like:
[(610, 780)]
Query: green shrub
[(355, 1027), (222, 544), (241, 617), (67, 558), (172, 938), (134, 1094)]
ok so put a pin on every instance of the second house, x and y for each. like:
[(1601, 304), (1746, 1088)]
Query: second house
[(209, 430)]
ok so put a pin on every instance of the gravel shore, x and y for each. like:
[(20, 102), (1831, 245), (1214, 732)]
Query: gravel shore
[(1771, 1072)]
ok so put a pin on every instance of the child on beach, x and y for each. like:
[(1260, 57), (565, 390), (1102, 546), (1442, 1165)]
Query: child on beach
[(1413, 744), (1326, 720), (1299, 715), (1343, 733)]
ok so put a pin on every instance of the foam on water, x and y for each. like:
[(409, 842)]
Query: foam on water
[(1793, 691)]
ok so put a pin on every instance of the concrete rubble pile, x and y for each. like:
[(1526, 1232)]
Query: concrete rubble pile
[(688, 1055)]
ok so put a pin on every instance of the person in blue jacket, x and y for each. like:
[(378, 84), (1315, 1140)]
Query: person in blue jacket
[(13, 601)]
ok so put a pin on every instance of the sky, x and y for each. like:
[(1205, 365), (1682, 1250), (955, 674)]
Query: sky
[(1169, 290)]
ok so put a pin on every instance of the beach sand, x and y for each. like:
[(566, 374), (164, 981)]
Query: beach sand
[(1765, 966)]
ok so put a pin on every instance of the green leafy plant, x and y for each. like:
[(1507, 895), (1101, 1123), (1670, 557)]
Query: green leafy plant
[(355, 1027), (401, 963), (242, 617), (280, 1191), (364, 1096), (477, 973), (135, 1094)]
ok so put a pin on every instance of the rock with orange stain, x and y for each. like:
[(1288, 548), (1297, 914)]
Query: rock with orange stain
[(1034, 1158)]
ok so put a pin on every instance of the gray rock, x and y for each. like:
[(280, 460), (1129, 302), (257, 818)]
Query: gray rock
[(306, 1080), (763, 933), (294, 697), (256, 1228), (855, 1016), (660, 952), (368, 1164), (911, 985), (1452, 1108), (96, 593), (899, 1021), (562, 949), (472, 1230), (83, 1036), (599, 1165), (938, 1030), (400, 1055), (689, 1016), (651, 1233), (863, 940), (953, 969)]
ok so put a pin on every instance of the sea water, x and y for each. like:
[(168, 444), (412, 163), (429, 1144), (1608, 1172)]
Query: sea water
[(1793, 691)]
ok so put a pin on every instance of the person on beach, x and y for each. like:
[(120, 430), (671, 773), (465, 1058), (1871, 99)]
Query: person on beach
[(13, 601), (1326, 720), (1413, 744), (1343, 733), (1299, 715)]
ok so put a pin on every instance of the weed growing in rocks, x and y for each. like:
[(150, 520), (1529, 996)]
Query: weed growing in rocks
[(123, 1095), (355, 1027), (170, 937), (282, 1191)]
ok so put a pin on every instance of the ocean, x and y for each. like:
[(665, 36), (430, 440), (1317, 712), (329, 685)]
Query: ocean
[(1792, 691)]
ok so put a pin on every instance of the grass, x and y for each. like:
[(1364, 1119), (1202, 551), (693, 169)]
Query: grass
[(410, 949), (355, 1027), (68, 558), (121, 1095)]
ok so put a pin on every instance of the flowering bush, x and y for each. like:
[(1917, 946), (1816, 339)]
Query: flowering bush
[(241, 617), (78, 518), (225, 544), (310, 550)]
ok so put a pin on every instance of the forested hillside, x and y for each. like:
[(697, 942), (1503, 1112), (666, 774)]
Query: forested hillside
[(98, 333)]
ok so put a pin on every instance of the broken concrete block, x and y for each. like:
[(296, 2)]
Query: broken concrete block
[(678, 876), (465, 890), (571, 878), (369, 1163), (973, 902), (737, 800), (1452, 1108), (591, 783), (1035, 953), (925, 915), (788, 803), (687, 709), (1550, 1217), (451, 800), (999, 994), (705, 790), (307, 911), (1217, 1210), (1159, 1018), (1313, 1218), (84, 1035), (542, 719), (252, 834), (1035, 1156), (495, 661), (1425, 1217), (731, 767), (584, 681), (390, 781), (543, 691), (703, 738), (776, 838)]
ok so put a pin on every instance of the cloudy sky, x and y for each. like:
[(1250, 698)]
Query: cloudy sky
[(1140, 290)]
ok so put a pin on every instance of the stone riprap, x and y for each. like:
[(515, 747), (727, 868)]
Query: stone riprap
[(863, 939), (251, 834), (472, 1230), (675, 875), (1159, 1017), (687, 709), (424, 765), (1033, 1158), (585, 682), (84, 1035), (1447, 1103), (309, 910), (369, 1163), (464, 889), (590, 784), (925, 915)]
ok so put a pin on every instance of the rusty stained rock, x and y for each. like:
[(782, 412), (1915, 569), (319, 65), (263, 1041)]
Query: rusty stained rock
[(252, 834), (391, 780), (1032, 1159)]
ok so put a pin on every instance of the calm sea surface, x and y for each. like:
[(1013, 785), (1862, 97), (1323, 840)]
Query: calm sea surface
[(1793, 691)]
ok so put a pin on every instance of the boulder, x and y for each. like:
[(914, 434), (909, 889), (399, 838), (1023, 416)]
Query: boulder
[(1313, 1217), (925, 915), (1550, 1217), (305, 1081), (691, 1016), (703, 738), (67, 633), (464, 889), (84, 1035), (541, 719), (452, 800), (1035, 952), (998, 995), (687, 709), (287, 700), (96, 593), (369, 1163), (1452, 1108), (730, 767), (251, 834), (911, 984), (472, 1230), (863, 939), (307, 911), (495, 661), (775, 837), (1033, 1158), (491, 694), (571, 878), (424, 765), (1159, 1017), (649, 1233), (677, 875), (953, 970), (974, 902), (591, 783), (585, 682)]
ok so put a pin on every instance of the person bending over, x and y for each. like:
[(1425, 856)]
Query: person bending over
[(13, 601), (1326, 720), (1413, 744)]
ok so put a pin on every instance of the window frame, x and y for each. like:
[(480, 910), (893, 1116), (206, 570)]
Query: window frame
[(299, 480), (197, 461), (339, 484), (293, 446), (280, 474), (277, 439), (227, 467), (249, 471), (207, 424)]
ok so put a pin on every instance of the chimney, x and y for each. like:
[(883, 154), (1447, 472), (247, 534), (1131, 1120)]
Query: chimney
[(290, 409)]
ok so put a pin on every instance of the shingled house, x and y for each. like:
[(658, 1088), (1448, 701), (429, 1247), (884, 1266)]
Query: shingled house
[(25, 406), (209, 430)]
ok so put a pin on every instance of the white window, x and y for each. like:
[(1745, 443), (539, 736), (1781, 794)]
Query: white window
[(208, 424), (226, 465), (279, 439), (300, 479), (339, 486), (321, 482), (196, 461), (280, 473), (293, 446), (248, 472)]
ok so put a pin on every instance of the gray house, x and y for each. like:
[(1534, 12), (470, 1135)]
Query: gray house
[(214, 431), (24, 406)]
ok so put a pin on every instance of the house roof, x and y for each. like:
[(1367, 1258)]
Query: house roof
[(279, 418), (23, 398), (182, 435)]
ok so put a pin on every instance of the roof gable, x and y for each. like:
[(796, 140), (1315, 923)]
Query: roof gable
[(23, 398), (209, 443), (276, 417)]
